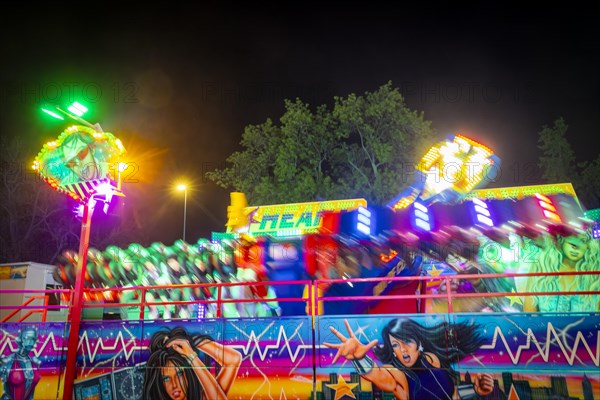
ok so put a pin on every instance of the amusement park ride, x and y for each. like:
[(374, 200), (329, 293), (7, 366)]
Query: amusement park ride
[(442, 215), (194, 331)]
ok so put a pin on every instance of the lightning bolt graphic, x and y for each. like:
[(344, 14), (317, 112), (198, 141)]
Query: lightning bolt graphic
[(6, 342), (253, 344), (544, 350), (92, 350), (113, 359)]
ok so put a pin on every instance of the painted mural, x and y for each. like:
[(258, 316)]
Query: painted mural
[(30, 359), (374, 357)]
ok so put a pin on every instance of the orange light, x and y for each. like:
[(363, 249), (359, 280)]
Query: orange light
[(388, 257), (547, 206), (551, 215), (543, 198)]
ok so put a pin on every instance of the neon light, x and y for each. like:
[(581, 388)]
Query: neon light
[(482, 211), (364, 211), (596, 231), (543, 198), (423, 224), (77, 109), (547, 206), (53, 114), (302, 217), (479, 202), (551, 215), (388, 257), (421, 215), (363, 228), (421, 207), (519, 192), (364, 219), (104, 189), (485, 220)]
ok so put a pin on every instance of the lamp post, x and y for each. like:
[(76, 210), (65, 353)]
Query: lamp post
[(184, 188)]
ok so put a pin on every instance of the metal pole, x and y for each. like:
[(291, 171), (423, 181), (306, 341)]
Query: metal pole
[(184, 211), (77, 302)]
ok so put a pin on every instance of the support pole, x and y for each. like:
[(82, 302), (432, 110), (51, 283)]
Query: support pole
[(77, 302)]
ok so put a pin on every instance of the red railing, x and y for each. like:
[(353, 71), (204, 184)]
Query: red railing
[(311, 300), (449, 295), (218, 301), (33, 309)]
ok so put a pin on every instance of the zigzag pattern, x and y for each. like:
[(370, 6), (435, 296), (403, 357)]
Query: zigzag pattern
[(253, 340), (544, 349)]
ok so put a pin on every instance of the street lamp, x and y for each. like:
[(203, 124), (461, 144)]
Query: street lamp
[(184, 188)]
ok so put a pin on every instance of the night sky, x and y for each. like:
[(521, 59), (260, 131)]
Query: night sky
[(178, 85)]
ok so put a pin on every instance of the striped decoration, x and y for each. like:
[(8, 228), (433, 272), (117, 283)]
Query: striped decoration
[(84, 190)]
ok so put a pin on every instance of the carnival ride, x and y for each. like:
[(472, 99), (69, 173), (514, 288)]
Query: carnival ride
[(431, 228), (440, 224)]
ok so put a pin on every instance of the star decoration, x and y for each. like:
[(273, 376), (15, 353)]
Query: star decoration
[(342, 388), (434, 271), (514, 299)]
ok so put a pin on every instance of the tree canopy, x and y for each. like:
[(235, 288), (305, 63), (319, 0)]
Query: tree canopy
[(558, 163), (362, 146)]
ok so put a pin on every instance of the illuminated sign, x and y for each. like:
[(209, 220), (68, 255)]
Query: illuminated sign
[(520, 192), (293, 219), (461, 164), (449, 170), (79, 160)]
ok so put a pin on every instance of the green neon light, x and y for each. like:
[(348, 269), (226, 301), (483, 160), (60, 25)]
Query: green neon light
[(594, 215), (77, 109), (53, 114)]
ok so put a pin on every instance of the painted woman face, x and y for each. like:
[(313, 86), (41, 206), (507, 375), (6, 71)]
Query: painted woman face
[(574, 248), (174, 381), (405, 351), (84, 165)]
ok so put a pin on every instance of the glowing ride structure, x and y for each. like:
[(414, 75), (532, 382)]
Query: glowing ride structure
[(83, 163), (441, 214), (432, 220)]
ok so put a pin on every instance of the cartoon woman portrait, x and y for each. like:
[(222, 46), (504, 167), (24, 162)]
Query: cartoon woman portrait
[(175, 371), (19, 372), (78, 152), (415, 360), (578, 253)]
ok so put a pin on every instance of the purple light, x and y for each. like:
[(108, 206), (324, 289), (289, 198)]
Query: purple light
[(482, 213), (596, 231), (105, 189)]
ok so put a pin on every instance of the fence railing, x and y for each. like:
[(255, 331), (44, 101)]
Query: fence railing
[(37, 294), (311, 296)]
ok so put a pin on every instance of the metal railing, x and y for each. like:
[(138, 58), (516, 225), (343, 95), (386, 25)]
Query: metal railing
[(43, 295), (311, 296)]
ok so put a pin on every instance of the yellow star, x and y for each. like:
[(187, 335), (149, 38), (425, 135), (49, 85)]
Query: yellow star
[(514, 299), (434, 271), (342, 388)]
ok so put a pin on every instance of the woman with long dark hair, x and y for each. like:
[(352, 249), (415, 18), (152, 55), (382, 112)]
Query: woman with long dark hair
[(175, 371), (416, 360)]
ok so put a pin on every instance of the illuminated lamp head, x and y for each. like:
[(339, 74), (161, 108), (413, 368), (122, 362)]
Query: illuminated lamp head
[(458, 165)]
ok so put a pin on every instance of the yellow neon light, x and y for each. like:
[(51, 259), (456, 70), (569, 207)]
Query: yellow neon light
[(520, 192)]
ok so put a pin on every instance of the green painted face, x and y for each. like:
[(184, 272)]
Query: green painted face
[(574, 248)]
